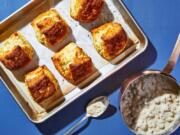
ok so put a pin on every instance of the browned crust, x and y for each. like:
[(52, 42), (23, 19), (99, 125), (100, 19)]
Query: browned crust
[(115, 43), (78, 72), (16, 59), (55, 33), (57, 65), (43, 86), (114, 40), (41, 89), (89, 10), (79, 69)]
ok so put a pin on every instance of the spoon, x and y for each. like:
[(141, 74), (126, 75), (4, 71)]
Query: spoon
[(94, 109)]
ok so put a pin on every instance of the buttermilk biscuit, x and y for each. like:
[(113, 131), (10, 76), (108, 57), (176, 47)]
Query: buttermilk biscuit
[(43, 87), (72, 63), (85, 10), (109, 40), (50, 28), (16, 52)]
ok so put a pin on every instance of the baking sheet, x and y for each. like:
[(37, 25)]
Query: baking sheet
[(113, 10)]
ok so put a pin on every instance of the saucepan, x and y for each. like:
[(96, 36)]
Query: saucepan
[(150, 100)]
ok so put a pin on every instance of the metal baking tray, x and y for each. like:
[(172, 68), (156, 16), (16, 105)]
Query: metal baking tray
[(113, 10)]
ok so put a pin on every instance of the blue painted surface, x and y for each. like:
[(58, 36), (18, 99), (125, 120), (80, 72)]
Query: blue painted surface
[(7, 7), (160, 20)]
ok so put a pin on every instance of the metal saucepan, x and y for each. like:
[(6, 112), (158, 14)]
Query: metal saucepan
[(140, 89)]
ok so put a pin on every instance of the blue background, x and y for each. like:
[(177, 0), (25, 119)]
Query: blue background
[(159, 19)]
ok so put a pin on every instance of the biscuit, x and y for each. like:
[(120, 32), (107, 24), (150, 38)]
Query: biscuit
[(50, 28), (109, 40), (85, 10), (43, 86), (16, 52), (73, 64)]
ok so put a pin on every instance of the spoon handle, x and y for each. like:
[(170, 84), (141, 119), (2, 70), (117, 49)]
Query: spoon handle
[(174, 57), (71, 130)]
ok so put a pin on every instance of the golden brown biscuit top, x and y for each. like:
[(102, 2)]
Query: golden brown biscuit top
[(90, 9), (55, 33), (16, 39), (15, 59), (72, 63), (45, 23), (114, 41), (47, 19), (71, 54), (16, 51), (51, 25), (109, 39), (41, 88), (80, 70)]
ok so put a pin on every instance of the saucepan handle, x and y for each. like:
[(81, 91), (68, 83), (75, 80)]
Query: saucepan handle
[(173, 59)]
